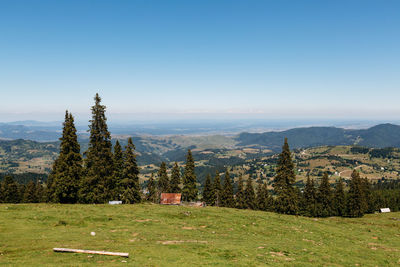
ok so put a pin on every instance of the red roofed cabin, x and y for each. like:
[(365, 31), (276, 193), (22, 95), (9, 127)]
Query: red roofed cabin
[(170, 198)]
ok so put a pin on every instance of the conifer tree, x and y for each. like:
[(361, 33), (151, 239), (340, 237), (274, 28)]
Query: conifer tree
[(227, 199), (49, 191), (175, 179), (286, 200), (189, 190), (98, 182), (163, 180), (30, 195), (249, 194), (66, 176), (208, 191), (152, 189), (240, 195), (217, 190), (356, 203), (40, 193), (263, 200), (10, 190), (309, 198), (369, 198), (130, 182), (339, 199), (324, 197), (118, 171)]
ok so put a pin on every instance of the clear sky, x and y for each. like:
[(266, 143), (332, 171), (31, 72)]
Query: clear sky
[(272, 59)]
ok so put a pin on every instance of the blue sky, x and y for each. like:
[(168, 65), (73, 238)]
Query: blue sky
[(172, 59)]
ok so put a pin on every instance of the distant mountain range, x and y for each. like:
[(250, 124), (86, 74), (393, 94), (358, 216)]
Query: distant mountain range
[(379, 136)]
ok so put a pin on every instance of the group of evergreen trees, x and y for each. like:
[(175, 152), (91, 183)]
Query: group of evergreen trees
[(185, 184), (102, 174), (215, 194), (106, 173), (14, 192)]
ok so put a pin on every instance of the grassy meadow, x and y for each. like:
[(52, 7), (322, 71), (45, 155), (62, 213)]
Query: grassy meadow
[(157, 235)]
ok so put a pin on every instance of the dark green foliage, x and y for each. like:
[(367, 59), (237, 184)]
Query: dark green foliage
[(356, 203), (240, 195), (30, 194), (286, 201), (152, 190), (324, 198), (40, 193), (10, 190), (118, 174), (263, 200), (369, 198), (249, 195), (309, 199), (217, 190), (97, 187), (130, 182), (163, 180), (175, 179), (208, 191), (67, 172), (339, 199), (189, 191), (227, 198)]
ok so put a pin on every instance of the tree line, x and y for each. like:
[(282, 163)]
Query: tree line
[(105, 173)]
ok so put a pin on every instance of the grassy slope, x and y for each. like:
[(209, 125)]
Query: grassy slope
[(197, 236)]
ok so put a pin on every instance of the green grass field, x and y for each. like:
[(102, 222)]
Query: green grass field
[(157, 235)]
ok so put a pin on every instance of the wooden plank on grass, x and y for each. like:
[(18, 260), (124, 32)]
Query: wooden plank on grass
[(91, 252)]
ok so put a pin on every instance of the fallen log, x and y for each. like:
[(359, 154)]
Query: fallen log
[(126, 255)]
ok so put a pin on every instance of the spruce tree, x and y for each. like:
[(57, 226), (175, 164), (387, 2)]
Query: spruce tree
[(163, 180), (152, 189), (286, 201), (30, 195), (130, 182), (249, 195), (324, 198), (175, 179), (10, 190), (369, 198), (208, 191), (118, 171), (263, 200), (309, 198), (339, 199), (49, 191), (98, 182), (227, 198), (240, 195), (217, 190), (356, 202), (40, 193), (189, 190), (66, 176)]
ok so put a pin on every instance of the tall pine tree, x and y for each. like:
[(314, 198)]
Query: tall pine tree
[(10, 190), (356, 203), (130, 182), (339, 199), (286, 200), (208, 191), (175, 179), (163, 180), (217, 190), (66, 177), (324, 198), (30, 195), (98, 182), (249, 194), (152, 189), (189, 190), (118, 159), (240, 196), (309, 198), (227, 198)]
